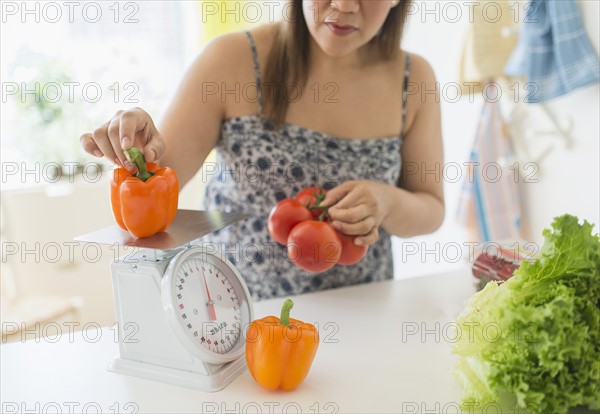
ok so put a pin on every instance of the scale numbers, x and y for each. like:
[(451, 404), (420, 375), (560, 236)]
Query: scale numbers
[(208, 305)]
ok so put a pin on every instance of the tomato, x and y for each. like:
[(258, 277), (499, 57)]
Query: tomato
[(314, 246), (308, 197), (351, 253), (284, 216)]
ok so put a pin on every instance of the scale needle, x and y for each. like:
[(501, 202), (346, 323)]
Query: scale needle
[(210, 304)]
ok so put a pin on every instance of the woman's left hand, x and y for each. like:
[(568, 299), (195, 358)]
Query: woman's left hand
[(358, 208)]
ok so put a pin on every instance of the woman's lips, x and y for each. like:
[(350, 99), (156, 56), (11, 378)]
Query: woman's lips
[(340, 30)]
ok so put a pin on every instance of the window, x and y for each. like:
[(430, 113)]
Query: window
[(68, 66)]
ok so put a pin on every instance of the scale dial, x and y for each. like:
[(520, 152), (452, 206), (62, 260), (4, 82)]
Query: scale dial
[(208, 305)]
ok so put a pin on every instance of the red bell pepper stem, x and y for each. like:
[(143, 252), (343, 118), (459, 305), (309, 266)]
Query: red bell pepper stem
[(288, 304), (135, 155)]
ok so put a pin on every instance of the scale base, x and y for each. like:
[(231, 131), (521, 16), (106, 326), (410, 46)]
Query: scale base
[(209, 383)]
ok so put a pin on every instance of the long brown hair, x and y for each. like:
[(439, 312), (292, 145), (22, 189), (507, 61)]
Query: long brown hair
[(287, 62)]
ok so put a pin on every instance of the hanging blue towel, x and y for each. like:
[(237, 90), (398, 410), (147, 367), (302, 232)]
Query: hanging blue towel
[(553, 51)]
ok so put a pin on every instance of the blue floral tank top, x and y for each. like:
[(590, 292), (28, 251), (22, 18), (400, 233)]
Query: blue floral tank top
[(258, 166)]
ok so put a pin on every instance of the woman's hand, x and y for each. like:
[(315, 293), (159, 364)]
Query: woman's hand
[(358, 208), (126, 129)]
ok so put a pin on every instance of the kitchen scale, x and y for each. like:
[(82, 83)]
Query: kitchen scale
[(181, 310)]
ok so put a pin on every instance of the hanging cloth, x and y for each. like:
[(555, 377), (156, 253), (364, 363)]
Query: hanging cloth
[(490, 205), (553, 51)]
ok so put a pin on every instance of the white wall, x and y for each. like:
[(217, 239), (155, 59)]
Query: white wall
[(568, 178)]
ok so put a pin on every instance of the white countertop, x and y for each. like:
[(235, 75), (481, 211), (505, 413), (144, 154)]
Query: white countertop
[(385, 347)]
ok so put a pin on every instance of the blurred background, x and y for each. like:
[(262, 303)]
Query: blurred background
[(66, 69)]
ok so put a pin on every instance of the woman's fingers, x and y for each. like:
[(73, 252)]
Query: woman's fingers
[(124, 130), (367, 239), (114, 137), (102, 141), (89, 146), (354, 209), (137, 128), (131, 123), (360, 228), (154, 150), (336, 194), (349, 215)]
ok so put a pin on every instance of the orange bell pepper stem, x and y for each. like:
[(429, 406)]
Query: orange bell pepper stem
[(288, 304), (280, 351), (136, 156)]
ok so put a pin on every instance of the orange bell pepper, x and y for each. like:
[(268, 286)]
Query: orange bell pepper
[(144, 202), (280, 352)]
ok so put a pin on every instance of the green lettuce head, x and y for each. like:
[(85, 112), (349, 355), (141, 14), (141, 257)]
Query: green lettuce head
[(534, 340)]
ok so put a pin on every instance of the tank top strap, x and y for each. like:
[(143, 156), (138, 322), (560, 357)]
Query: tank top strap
[(405, 89), (256, 71)]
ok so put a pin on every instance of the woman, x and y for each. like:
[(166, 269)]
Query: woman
[(332, 108)]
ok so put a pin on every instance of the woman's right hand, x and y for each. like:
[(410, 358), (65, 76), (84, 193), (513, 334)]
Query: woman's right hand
[(126, 129)]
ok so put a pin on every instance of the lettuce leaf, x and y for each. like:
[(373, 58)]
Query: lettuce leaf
[(535, 339)]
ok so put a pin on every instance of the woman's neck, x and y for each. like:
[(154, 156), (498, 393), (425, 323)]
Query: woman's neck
[(320, 61)]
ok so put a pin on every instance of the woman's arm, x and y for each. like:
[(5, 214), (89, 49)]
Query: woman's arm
[(416, 205), (191, 125)]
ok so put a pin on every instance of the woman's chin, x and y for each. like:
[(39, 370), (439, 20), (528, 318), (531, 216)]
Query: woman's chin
[(337, 50), (336, 46)]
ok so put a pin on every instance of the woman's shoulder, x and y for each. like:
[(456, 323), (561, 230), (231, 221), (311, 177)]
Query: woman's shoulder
[(420, 68), (265, 34), (422, 85), (422, 79), (228, 57), (263, 37), (232, 47)]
